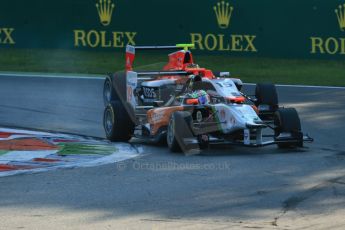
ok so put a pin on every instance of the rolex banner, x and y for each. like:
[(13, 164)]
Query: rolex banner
[(266, 28)]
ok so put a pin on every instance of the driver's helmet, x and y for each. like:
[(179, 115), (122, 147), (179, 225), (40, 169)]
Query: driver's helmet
[(201, 95)]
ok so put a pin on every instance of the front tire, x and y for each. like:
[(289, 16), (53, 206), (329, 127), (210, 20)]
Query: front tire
[(118, 122), (179, 129), (287, 121)]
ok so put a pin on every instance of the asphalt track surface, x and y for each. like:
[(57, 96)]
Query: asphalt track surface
[(225, 187)]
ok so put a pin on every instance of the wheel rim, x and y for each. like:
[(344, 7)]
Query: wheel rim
[(108, 121), (107, 92), (171, 132)]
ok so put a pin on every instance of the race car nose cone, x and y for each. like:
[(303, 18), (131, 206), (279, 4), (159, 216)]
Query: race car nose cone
[(259, 122)]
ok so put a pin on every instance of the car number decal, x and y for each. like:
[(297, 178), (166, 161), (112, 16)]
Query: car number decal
[(149, 92)]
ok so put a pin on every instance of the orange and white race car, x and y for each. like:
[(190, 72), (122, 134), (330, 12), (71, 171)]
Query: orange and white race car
[(191, 107)]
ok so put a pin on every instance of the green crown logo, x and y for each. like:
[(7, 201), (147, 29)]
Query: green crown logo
[(105, 10), (223, 12), (340, 12)]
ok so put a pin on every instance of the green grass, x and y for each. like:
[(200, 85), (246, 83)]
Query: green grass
[(3, 152), (77, 148), (286, 71)]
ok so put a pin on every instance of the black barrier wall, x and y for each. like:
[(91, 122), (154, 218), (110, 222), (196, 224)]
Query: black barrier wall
[(267, 28)]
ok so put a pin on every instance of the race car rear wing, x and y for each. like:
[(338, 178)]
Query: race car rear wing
[(152, 75), (130, 51), (163, 73)]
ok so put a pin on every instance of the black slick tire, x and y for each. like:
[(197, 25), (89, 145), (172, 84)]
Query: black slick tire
[(179, 129), (287, 121), (108, 91), (266, 94), (118, 121), (114, 88)]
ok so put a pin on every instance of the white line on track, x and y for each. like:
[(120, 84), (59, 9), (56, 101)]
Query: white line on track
[(64, 76), (101, 77)]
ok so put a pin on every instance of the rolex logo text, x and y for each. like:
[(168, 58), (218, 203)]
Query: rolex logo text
[(6, 36), (104, 38), (224, 42), (332, 45)]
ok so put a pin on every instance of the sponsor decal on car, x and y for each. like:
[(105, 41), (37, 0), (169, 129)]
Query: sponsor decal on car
[(157, 116), (246, 135), (149, 92), (222, 115), (132, 82), (199, 116)]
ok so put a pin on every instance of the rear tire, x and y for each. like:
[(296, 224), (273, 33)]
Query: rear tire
[(108, 91), (287, 121), (179, 128), (118, 121), (114, 88), (266, 94)]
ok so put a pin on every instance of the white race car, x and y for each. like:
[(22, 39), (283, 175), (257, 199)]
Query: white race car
[(193, 107)]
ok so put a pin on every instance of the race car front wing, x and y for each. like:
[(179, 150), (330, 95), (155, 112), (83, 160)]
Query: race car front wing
[(256, 139)]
